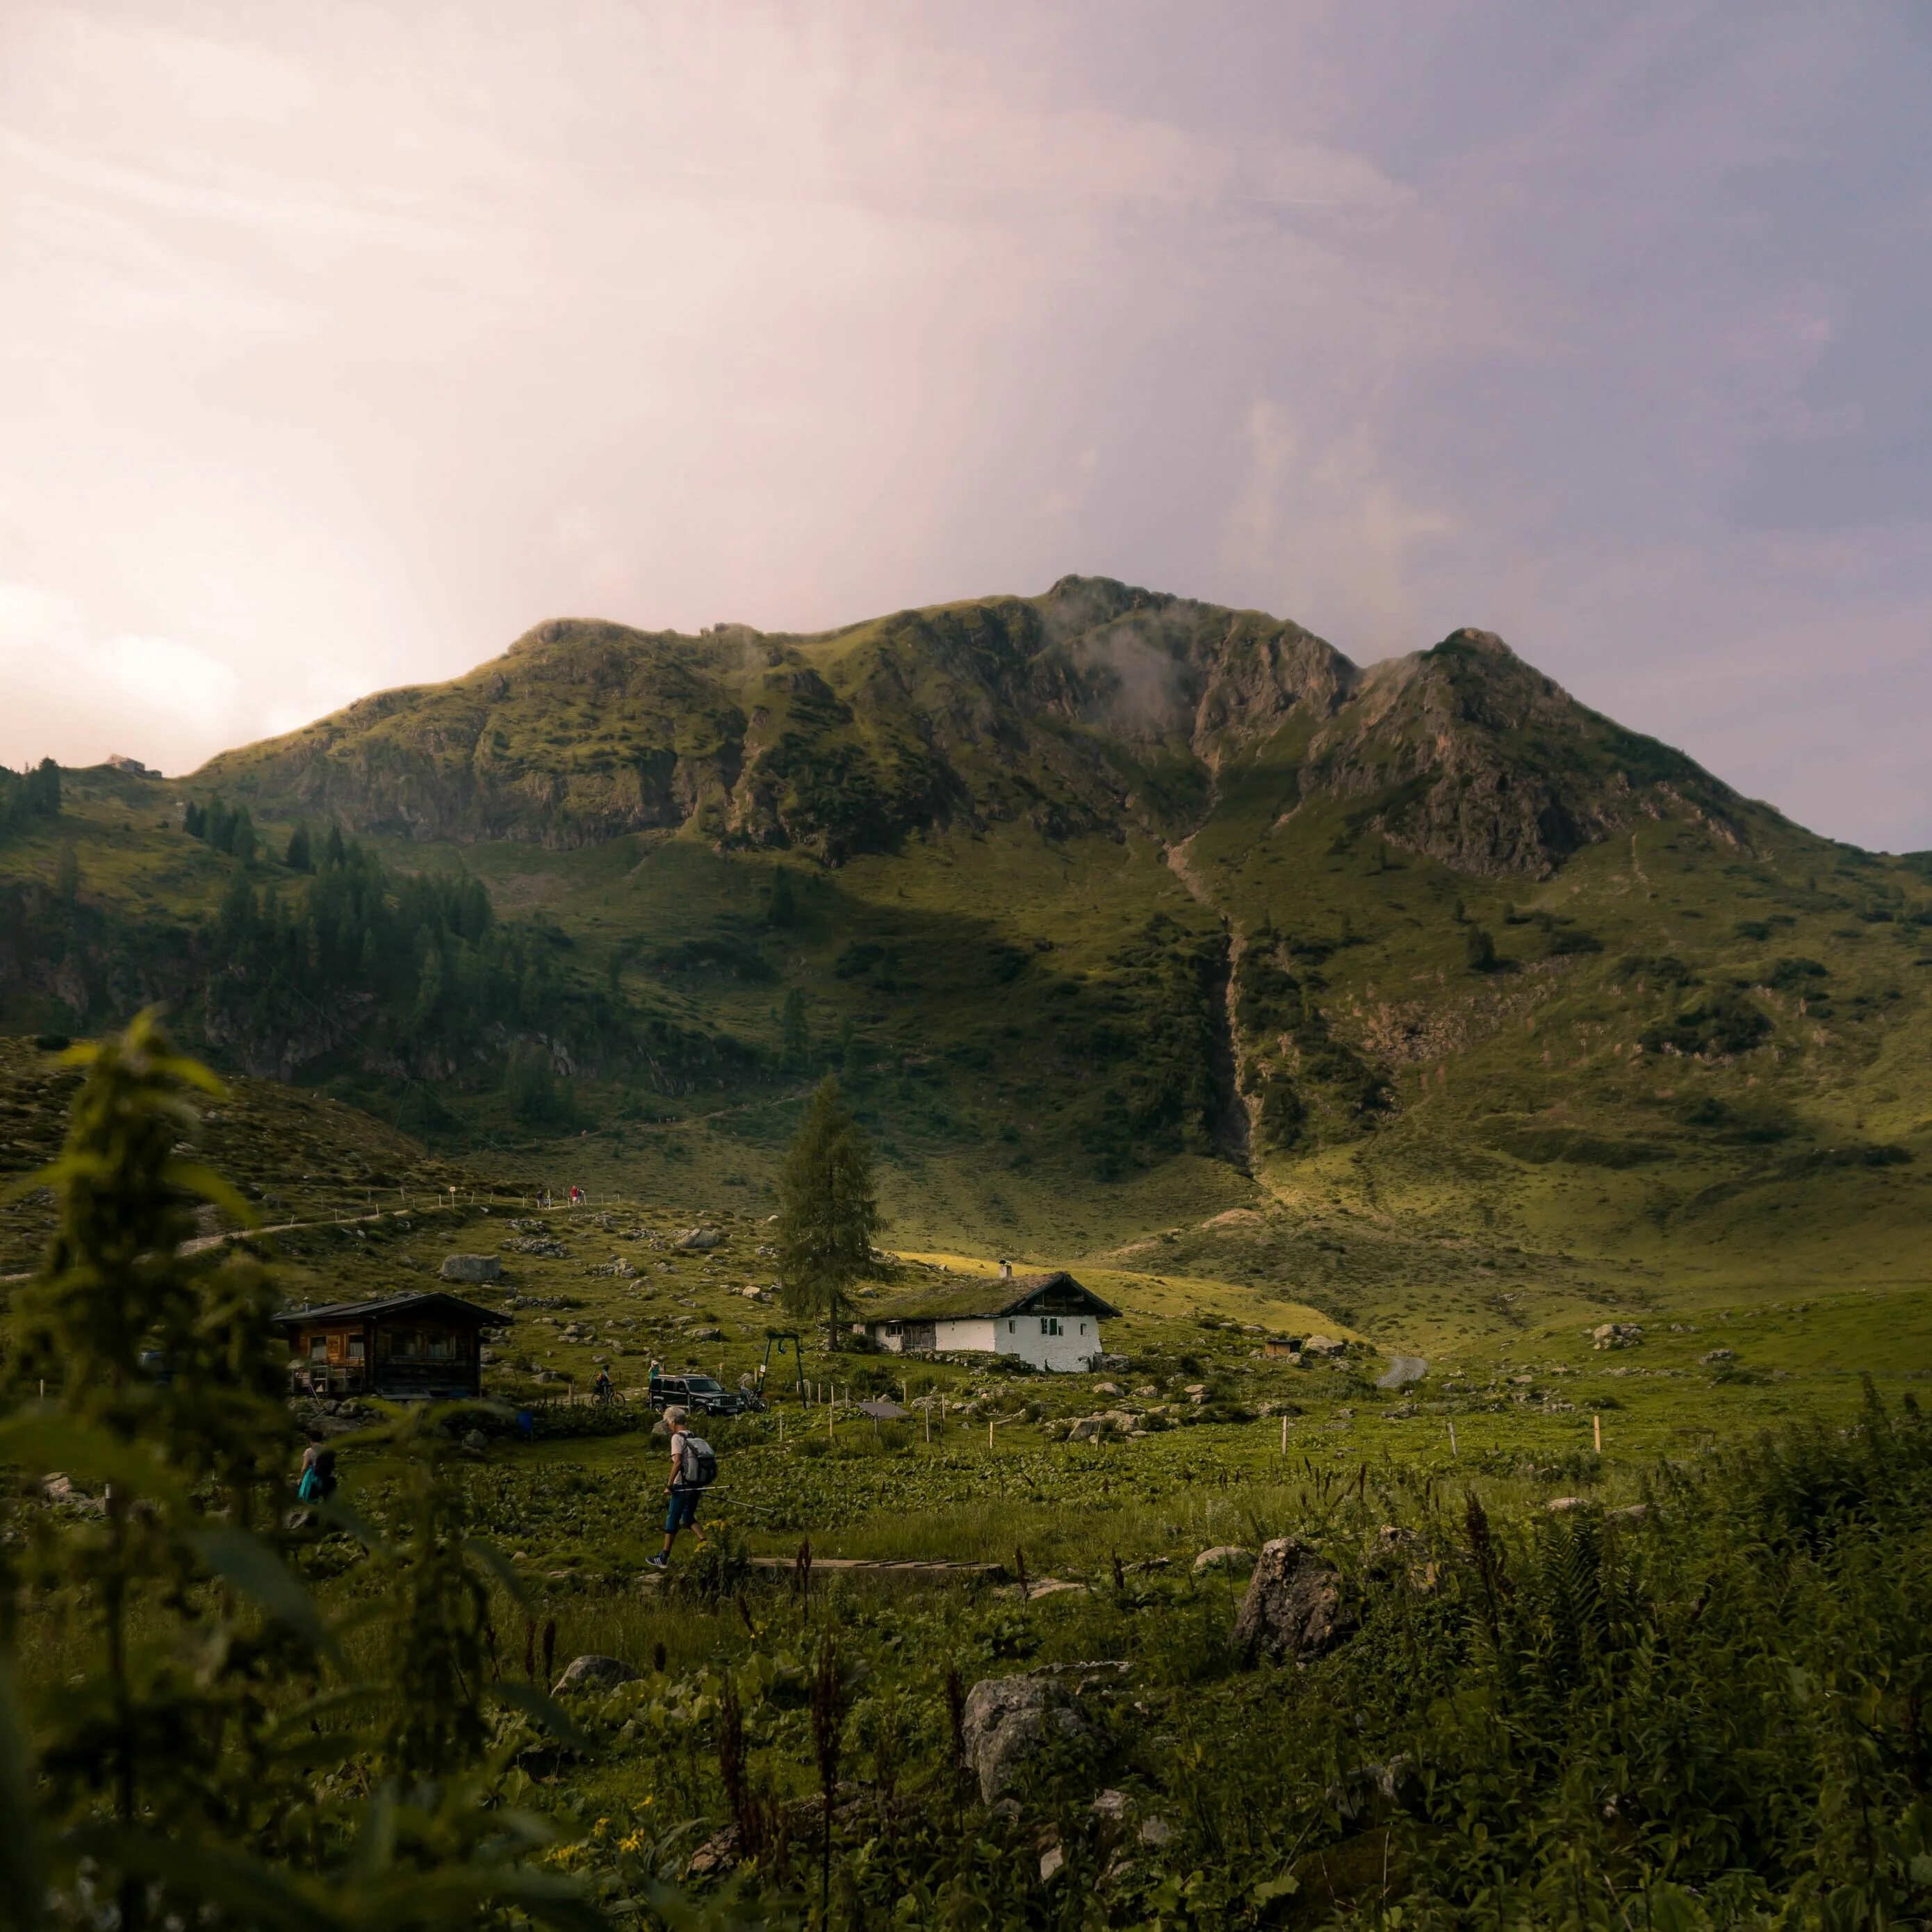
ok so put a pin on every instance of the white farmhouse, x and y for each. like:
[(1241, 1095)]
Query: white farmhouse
[(1049, 1321)]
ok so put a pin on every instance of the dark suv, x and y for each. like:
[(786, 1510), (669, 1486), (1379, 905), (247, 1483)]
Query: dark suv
[(701, 1395)]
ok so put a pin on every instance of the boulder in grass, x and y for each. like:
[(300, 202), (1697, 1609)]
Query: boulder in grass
[(1294, 1609), (1011, 1720), (1229, 1558), (1324, 1347), (474, 1269), (593, 1672), (700, 1239)]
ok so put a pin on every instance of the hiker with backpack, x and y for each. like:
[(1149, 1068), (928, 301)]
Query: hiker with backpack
[(694, 1468), (317, 1484)]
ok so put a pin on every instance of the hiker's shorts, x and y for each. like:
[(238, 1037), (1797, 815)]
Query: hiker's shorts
[(682, 1511)]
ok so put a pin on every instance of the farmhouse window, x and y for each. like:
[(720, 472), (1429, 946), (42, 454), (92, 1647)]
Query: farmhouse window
[(318, 1348), (356, 1349)]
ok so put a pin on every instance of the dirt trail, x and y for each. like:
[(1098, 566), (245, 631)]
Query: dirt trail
[(1234, 1120)]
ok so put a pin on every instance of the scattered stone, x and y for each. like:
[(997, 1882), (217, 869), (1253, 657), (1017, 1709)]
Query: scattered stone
[(1156, 1831), (1108, 1388), (1629, 1513), (1051, 1586), (701, 1238), (1110, 1807), (1051, 1861), (476, 1442), (1294, 1608), (1719, 1355), (593, 1672), (1557, 1505), (1009, 1721), (704, 1335), (1616, 1335), (473, 1268), (538, 1245), (717, 1854), (1403, 1370), (1226, 1556)]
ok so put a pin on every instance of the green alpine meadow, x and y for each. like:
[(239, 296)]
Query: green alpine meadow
[(1308, 1283)]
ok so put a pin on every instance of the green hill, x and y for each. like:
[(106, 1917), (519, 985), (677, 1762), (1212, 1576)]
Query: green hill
[(1141, 929)]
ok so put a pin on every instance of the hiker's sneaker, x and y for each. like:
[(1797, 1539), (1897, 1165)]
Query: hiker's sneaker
[(658, 1562)]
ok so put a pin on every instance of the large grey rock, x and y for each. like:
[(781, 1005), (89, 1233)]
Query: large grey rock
[(592, 1672), (1617, 1335), (1402, 1371), (472, 1267), (1324, 1345), (1293, 1608), (701, 1238), (1010, 1720)]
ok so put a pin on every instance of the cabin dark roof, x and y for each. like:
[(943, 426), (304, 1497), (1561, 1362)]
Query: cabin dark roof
[(382, 1310), (990, 1297)]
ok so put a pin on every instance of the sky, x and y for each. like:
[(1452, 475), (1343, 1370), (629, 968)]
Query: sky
[(342, 344)]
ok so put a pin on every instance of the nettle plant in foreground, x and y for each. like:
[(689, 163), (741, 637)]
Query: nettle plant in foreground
[(186, 1736)]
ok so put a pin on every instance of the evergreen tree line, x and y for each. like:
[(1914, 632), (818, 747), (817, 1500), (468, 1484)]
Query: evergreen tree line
[(427, 961), (226, 828), (427, 950), (28, 797)]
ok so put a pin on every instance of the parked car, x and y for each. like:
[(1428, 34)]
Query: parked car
[(701, 1394)]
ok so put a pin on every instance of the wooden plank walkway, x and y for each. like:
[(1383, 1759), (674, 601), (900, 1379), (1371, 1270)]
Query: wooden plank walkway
[(880, 1566)]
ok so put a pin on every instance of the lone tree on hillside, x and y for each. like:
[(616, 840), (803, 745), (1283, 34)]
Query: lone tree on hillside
[(828, 1212)]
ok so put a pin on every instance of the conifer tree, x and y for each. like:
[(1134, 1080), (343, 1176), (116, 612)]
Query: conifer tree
[(783, 910), (828, 1211), (66, 873), (297, 858)]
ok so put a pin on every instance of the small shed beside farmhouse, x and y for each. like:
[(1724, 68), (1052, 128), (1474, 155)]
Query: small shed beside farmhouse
[(406, 1346), (1049, 1321)]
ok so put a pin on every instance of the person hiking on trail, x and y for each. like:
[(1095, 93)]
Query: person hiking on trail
[(317, 1484), (601, 1388), (693, 1468)]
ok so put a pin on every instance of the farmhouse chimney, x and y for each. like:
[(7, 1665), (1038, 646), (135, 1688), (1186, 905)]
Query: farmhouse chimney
[(1005, 1270)]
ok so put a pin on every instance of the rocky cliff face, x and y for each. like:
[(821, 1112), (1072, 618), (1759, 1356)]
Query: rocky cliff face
[(1095, 706), (1483, 762)]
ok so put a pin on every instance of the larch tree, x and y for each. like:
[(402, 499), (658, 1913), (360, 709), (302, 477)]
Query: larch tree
[(828, 1211)]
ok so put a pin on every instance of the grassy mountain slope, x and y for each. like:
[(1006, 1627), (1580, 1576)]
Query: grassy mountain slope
[(1141, 929)]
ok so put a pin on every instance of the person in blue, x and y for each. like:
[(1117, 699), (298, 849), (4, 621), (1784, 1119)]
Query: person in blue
[(685, 1486)]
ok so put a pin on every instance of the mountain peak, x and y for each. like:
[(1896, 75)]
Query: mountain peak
[(1095, 706)]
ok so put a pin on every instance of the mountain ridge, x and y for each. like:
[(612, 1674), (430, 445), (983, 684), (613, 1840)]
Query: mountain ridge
[(1092, 706)]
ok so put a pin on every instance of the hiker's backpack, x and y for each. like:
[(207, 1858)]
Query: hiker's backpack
[(701, 1463)]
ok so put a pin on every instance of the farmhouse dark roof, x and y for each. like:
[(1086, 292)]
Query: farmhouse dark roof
[(990, 1297), (382, 1310)]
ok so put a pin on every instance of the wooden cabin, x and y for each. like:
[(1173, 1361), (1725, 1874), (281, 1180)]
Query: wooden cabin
[(422, 1346), (1049, 1321)]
